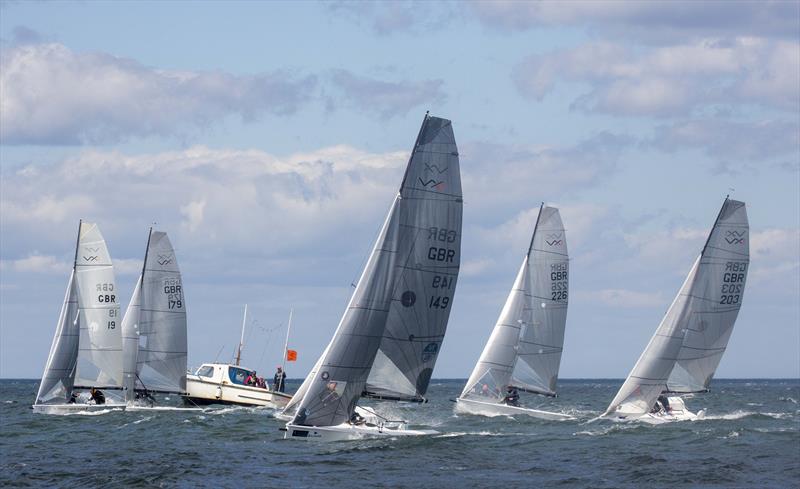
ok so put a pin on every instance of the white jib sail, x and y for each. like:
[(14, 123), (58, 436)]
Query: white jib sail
[(59, 372), (100, 344), (130, 341), (697, 325)]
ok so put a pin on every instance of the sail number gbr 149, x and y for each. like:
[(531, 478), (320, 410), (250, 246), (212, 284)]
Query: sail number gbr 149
[(441, 253)]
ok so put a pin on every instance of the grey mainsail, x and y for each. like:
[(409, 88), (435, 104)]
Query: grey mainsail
[(542, 340), (524, 349), (696, 328), (156, 338), (723, 273), (99, 362), (429, 248), (333, 388)]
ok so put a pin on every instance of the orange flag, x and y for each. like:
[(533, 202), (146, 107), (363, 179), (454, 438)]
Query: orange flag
[(291, 355)]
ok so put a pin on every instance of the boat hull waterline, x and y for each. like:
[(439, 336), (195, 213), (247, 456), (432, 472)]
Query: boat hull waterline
[(347, 431), (480, 408)]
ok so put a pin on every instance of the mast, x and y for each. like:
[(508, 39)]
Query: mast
[(286, 344), (716, 221), (241, 341), (77, 244), (535, 227)]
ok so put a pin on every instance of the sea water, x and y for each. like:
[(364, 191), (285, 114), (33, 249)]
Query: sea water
[(749, 438)]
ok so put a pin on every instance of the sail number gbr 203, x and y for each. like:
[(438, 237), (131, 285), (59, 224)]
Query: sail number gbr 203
[(733, 282), (441, 253)]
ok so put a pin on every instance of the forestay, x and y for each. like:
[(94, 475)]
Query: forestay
[(99, 362), (156, 333), (59, 372), (525, 346), (429, 256), (696, 328), (333, 388)]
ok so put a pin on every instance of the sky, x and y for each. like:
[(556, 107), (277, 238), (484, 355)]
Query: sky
[(268, 140)]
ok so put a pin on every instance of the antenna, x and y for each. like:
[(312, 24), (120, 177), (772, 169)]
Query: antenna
[(241, 341), (286, 344)]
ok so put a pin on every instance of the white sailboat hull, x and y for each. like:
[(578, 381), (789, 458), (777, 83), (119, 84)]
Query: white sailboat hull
[(74, 408), (203, 392), (677, 412), (347, 431), (480, 408)]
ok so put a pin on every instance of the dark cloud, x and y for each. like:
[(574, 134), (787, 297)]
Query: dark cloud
[(656, 22)]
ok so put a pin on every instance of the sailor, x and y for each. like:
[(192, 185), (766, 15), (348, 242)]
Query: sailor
[(73, 398), (97, 396), (512, 396), (279, 381), (357, 420), (664, 401)]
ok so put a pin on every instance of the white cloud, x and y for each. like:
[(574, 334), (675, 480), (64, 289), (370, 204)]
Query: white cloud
[(37, 263), (193, 212), (51, 94), (670, 80), (245, 201)]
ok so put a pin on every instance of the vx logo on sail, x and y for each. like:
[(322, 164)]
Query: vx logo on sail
[(554, 239), (735, 237), (431, 182), (164, 259)]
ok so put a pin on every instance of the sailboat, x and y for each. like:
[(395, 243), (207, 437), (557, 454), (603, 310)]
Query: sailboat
[(400, 305), (86, 352), (524, 349), (225, 383), (683, 354), (154, 327)]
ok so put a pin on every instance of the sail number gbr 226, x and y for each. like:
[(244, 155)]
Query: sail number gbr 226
[(441, 253)]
